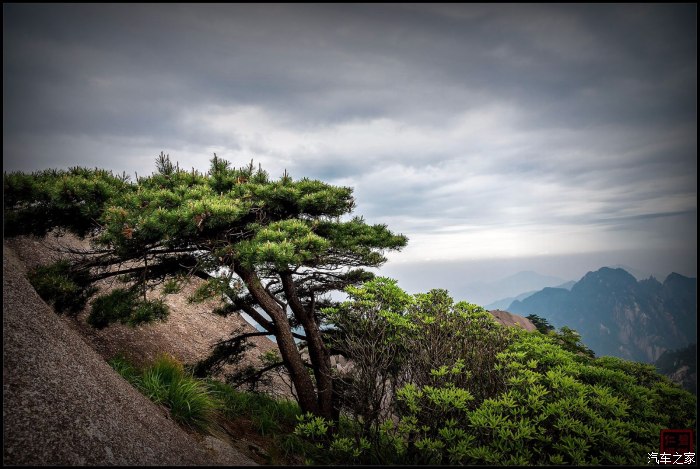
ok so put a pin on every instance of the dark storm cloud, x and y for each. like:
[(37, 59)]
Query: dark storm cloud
[(335, 63), (446, 119)]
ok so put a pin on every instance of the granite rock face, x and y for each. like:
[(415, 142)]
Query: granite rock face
[(510, 319), (64, 405)]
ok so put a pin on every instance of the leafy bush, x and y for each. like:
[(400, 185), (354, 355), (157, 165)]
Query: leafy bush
[(124, 305), (394, 339), (490, 395), (66, 289)]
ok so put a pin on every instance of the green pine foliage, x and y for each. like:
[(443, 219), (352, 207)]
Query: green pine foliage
[(172, 286), (540, 323), (73, 199), (286, 239)]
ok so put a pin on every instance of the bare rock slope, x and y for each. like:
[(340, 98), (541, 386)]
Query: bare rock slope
[(188, 334), (510, 319), (64, 405)]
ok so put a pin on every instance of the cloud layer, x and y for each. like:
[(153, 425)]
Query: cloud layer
[(479, 131)]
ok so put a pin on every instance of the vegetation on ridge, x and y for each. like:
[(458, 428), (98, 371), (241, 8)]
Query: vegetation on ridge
[(436, 382)]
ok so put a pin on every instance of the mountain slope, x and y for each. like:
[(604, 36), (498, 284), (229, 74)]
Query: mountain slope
[(506, 302), (64, 405), (620, 316), (681, 366)]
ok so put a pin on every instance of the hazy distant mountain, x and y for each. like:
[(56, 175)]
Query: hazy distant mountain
[(567, 285), (509, 287), (505, 303), (620, 316)]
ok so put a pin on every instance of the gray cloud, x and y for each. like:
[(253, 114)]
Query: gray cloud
[(459, 121)]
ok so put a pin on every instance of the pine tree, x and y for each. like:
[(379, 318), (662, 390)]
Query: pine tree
[(282, 245)]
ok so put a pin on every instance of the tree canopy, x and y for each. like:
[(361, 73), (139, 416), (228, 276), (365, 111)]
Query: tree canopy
[(278, 246)]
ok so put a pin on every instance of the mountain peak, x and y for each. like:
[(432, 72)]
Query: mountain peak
[(612, 277), (636, 273), (618, 315), (676, 277)]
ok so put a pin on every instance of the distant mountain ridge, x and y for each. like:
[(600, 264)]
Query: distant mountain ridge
[(505, 303), (620, 316), (488, 292)]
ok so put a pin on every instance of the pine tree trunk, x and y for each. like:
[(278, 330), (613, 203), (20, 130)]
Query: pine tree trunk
[(318, 352), (303, 384)]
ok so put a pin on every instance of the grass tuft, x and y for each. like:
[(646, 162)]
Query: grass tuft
[(190, 401), (124, 367), (204, 405)]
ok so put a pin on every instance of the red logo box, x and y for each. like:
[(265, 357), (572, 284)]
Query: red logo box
[(676, 441)]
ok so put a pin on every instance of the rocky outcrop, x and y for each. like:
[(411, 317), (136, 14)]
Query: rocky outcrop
[(189, 333), (64, 405), (512, 320)]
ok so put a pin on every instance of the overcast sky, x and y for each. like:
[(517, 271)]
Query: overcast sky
[(557, 138)]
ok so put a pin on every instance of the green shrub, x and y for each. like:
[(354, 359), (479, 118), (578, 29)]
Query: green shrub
[(124, 305), (147, 312), (207, 290), (112, 307), (394, 339), (268, 415), (66, 289), (171, 286), (490, 397), (234, 403)]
